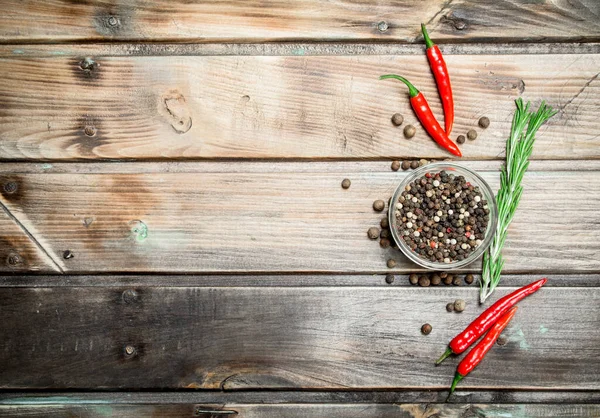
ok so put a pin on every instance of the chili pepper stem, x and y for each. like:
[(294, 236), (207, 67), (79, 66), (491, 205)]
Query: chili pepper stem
[(428, 41), (412, 90), (457, 378), (444, 356)]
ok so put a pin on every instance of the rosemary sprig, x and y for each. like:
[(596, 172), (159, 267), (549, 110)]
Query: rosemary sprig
[(518, 150)]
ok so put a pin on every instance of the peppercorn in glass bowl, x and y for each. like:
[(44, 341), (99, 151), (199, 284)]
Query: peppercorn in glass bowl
[(443, 216)]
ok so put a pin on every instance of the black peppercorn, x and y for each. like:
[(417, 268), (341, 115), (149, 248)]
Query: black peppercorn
[(373, 233), (397, 119), (469, 278), (405, 165), (484, 122), (426, 329), (414, 164), (472, 134), (409, 131), (391, 263), (460, 139), (346, 183), (413, 278), (395, 165), (450, 307), (389, 279), (424, 281)]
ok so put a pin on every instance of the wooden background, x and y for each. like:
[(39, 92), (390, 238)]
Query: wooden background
[(188, 156)]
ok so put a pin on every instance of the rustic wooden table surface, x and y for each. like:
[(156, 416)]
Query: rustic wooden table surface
[(174, 240)]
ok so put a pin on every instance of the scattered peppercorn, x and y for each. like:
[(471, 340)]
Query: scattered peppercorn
[(501, 341), (384, 243), (469, 278), (424, 281), (443, 274), (384, 223), (450, 307), (448, 279), (373, 233), (423, 162), (460, 139), (459, 305), (397, 119), (391, 263), (413, 278), (385, 233), (472, 134), (435, 279), (405, 165), (456, 281), (378, 205), (346, 183), (426, 329), (409, 131), (484, 122), (389, 278), (414, 164), (395, 165)]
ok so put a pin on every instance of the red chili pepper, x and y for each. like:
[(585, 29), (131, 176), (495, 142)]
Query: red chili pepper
[(484, 321), (478, 352), (425, 115), (442, 79)]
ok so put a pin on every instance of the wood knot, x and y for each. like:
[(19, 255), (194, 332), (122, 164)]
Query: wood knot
[(174, 108), (455, 22), (130, 350), (14, 260), (112, 21), (68, 254), (10, 187), (130, 296), (88, 64), (89, 130)]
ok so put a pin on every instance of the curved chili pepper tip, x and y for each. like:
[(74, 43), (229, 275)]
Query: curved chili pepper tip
[(444, 356), (428, 42), (412, 90), (457, 378)]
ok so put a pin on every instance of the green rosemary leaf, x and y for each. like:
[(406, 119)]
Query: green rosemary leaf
[(519, 147)]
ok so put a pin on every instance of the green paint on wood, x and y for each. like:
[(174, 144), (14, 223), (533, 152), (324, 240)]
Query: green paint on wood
[(543, 329), (46, 166), (516, 335), (298, 51), (18, 51), (139, 230)]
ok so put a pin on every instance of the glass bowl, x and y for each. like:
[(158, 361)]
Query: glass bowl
[(472, 177)]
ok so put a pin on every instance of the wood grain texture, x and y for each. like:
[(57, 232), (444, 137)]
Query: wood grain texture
[(276, 222), (19, 252), (303, 411), (319, 338), (271, 107), (215, 21)]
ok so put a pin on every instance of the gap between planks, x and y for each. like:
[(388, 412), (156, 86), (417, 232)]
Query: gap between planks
[(266, 166), (35, 397), (284, 49), (271, 280)]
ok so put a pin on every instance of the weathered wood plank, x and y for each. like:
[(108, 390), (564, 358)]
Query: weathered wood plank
[(20, 252), (282, 107), (294, 337), (303, 411), (466, 20), (276, 222)]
